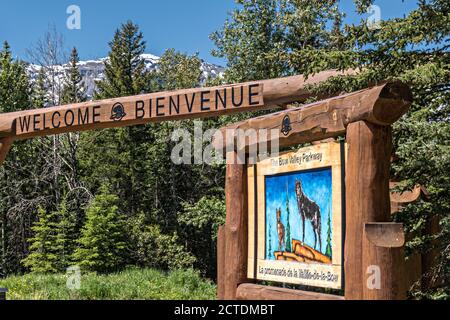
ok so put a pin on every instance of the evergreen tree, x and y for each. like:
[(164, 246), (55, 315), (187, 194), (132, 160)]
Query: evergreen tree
[(328, 250), (21, 189), (125, 72), (43, 257), (102, 246), (199, 224), (73, 90), (39, 96), (253, 41), (288, 223), (14, 83), (117, 156), (67, 235), (178, 71)]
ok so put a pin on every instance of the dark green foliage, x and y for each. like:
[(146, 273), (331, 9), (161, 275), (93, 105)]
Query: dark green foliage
[(67, 235), (43, 257), (252, 40), (73, 91), (152, 248), (118, 156), (39, 95), (14, 83), (200, 222), (102, 246), (125, 73)]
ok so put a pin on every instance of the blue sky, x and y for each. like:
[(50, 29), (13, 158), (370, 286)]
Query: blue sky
[(317, 187), (181, 24)]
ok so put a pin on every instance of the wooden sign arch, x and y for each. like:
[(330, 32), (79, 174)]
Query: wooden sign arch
[(156, 107), (364, 117)]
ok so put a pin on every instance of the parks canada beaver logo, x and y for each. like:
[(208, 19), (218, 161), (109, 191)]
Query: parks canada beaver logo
[(118, 112), (286, 125)]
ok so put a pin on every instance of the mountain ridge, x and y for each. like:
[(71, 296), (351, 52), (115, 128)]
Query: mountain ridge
[(93, 70)]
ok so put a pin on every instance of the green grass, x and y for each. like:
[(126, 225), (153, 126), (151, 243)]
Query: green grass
[(131, 284)]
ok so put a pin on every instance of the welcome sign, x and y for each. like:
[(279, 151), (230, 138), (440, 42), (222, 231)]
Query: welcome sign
[(295, 217), (140, 109)]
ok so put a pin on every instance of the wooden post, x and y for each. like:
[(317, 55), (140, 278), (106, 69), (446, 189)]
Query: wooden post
[(220, 263), (235, 227), (249, 291), (384, 262), (367, 194)]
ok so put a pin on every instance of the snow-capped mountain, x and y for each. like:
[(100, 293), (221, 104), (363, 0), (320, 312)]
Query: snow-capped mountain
[(93, 70)]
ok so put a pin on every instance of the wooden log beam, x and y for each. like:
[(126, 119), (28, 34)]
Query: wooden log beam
[(381, 105), (248, 291), (161, 106), (221, 263), (384, 261), (235, 227), (367, 195)]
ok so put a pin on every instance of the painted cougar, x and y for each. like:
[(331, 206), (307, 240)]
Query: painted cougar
[(280, 231)]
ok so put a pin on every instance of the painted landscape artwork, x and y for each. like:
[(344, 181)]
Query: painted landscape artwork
[(299, 216)]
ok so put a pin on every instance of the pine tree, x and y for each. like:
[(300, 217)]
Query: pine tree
[(39, 96), (102, 246), (288, 224), (73, 90), (17, 170), (43, 257), (14, 83), (117, 156), (67, 235), (178, 71), (125, 72), (328, 250), (253, 41)]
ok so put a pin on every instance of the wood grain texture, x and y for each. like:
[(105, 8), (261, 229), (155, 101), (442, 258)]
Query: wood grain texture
[(221, 263), (383, 247), (235, 228), (249, 291), (161, 106), (381, 105), (401, 199), (367, 194)]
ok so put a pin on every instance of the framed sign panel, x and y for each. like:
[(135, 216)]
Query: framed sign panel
[(296, 210)]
